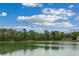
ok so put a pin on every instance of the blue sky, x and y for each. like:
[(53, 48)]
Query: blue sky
[(40, 16)]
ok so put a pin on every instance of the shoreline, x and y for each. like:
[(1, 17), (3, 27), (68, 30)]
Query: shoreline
[(40, 42)]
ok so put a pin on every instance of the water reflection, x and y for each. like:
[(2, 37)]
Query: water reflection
[(31, 49), (11, 47)]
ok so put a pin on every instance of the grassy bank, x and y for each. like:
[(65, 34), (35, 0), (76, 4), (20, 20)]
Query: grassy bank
[(38, 42)]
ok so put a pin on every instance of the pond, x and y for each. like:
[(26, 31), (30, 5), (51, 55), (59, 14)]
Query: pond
[(54, 49)]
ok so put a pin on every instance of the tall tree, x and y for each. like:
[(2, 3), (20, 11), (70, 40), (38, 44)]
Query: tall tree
[(32, 35), (46, 33), (24, 34)]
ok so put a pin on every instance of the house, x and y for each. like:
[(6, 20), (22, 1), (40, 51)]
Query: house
[(77, 38), (66, 38)]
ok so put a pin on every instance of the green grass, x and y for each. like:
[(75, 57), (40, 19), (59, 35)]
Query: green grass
[(38, 42)]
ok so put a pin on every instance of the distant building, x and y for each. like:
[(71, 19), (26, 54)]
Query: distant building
[(66, 38), (77, 38)]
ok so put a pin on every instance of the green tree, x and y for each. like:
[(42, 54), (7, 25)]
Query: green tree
[(24, 34), (46, 33), (32, 35)]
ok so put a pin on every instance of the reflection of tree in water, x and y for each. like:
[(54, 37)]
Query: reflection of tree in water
[(75, 46), (11, 47), (55, 47), (49, 46)]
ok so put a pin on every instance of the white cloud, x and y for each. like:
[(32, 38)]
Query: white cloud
[(49, 17), (23, 27), (23, 18), (77, 18), (32, 4), (3, 14), (39, 18), (71, 6), (39, 28), (51, 11), (64, 24), (17, 27), (37, 24), (45, 23), (61, 11)]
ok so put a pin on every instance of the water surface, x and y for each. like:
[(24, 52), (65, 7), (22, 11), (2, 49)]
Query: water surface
[(54, 49)]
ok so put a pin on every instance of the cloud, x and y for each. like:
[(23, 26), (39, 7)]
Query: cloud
[(45, 23), (61, 12), (39, 18), (23, 27), (77, 18), (64, 24), (49, 15), (17, 27), (75, 28), (71, 6), (32, 4), (48, 18), (23, 18), (3, 14)]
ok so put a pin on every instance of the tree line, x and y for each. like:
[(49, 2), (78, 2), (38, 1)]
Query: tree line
[(24, 35)]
